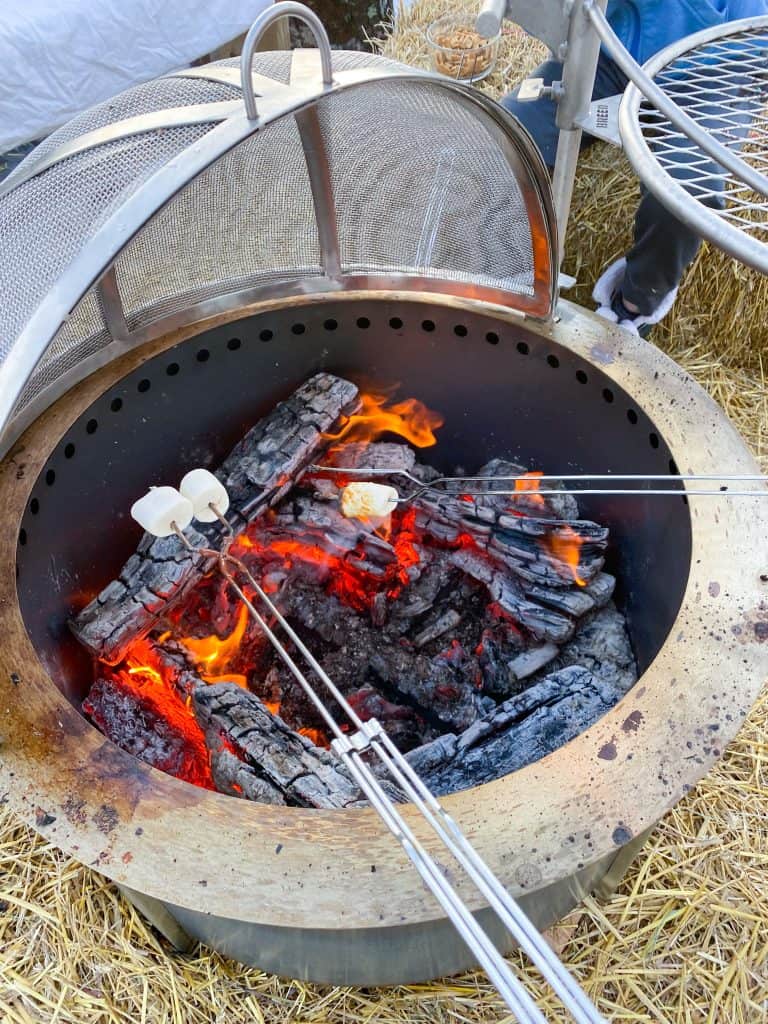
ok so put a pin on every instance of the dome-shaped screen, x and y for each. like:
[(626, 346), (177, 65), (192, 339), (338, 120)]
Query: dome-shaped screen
[(162, 205)]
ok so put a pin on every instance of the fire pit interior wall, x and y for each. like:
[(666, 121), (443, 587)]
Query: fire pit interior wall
[(503, 390)]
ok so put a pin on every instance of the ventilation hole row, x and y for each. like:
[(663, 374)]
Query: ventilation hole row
[(203, 355), (608, 396), (92, 425), (363, 322)]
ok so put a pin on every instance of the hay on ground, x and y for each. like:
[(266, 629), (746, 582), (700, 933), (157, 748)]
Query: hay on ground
[(684, 941)]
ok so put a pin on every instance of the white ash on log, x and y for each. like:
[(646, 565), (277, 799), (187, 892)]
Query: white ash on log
[(518, 732), (602, 646), (306, 775), (257, 473), (234, 777), (398, 458)]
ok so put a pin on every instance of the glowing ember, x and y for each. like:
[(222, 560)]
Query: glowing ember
[(139, 709), (409, 419)]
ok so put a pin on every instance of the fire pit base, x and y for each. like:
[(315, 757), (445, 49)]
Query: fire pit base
[(372, 956), (327, 895)]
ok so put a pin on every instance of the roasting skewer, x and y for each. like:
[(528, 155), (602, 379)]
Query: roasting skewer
[(203, 497), (367, 496)]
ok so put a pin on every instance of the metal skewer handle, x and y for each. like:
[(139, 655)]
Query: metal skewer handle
[(370, 739), (370, 736), (495, 485)]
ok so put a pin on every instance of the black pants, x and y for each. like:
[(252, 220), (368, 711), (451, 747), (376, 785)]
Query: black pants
[(663, 247)]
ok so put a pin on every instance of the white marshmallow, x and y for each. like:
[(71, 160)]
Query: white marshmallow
[(203, 489), (160, 508), (368, 501)]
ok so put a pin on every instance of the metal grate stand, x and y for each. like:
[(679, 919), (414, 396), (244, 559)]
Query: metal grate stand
[(693, 120)]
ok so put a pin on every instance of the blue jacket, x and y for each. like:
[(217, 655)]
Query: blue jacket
[(647, 26)]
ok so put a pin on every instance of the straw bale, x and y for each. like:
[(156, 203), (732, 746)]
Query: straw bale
[(683, 941)]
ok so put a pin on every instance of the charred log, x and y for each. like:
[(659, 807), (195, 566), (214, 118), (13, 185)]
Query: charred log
[(257, 473), (234, 777), (518, 732), (602, 646), (160, 733), (305, 775), (438, 687)]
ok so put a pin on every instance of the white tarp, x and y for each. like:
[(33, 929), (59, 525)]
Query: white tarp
[(58, 57)]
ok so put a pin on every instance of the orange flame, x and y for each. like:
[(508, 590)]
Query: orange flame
[(565, 545), (316, 736), (146, 670), (410, 419), (212, 654), (529, 485), (147, 682)]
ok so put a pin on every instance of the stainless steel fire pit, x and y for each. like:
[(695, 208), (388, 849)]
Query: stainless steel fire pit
[(207, 308)]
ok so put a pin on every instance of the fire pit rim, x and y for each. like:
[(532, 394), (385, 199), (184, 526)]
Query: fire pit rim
[(112, 812)]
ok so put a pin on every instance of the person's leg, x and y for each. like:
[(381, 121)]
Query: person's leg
[(662, 250), (538, 116), (664, 247)]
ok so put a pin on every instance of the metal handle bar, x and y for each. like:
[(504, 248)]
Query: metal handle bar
[(282, 10), (706, 142)]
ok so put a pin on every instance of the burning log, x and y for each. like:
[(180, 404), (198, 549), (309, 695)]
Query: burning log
[(257, 473), (305, 775), (518, 732), (426, 619), (151, 723)]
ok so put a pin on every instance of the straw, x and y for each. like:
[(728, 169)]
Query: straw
[(683, 941)]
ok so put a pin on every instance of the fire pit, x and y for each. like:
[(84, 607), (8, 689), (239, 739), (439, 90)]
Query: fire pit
[(450, 613), (273, 885)]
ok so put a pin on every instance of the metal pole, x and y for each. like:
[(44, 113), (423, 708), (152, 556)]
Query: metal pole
[(575, 96), (490, 18)]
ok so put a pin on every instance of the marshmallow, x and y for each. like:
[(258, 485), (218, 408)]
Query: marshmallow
[(203, 489), (368, 501), (160, 509)]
